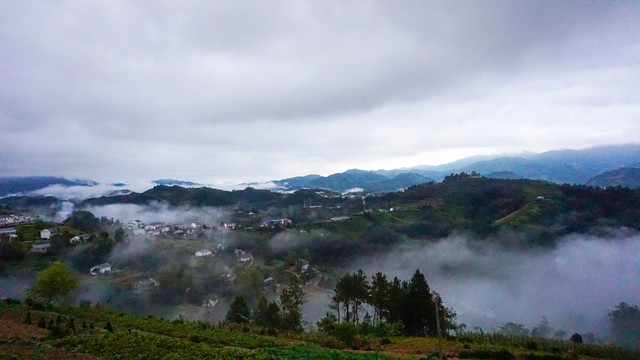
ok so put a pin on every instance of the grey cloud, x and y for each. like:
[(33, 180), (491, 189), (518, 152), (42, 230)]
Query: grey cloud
[(225, 89)]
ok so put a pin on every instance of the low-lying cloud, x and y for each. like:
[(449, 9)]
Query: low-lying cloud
[(82, 192), (574, 285), (159, 212)]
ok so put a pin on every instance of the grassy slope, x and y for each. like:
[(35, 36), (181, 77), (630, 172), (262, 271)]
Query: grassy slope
[(137, 337)]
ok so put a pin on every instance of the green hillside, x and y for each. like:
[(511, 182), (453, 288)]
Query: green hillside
[(91, 332)]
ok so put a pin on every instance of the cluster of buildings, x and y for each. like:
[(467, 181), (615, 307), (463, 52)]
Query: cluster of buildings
[(138, 228), (8, 220), (275, 223), (141, 286)]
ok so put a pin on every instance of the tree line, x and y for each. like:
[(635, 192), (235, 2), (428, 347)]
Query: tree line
[(409, 306), (284, 314)]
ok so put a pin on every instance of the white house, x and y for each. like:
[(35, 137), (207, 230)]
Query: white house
[(339, 218), (79, 239), (47, 233), (100, 269), (203, 252)]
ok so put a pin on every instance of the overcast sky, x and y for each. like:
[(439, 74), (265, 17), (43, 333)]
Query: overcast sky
[(242, 90)]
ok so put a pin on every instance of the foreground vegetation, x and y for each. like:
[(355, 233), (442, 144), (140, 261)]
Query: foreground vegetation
[(32, 330)]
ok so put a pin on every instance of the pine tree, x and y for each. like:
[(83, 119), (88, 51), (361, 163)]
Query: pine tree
[(419, 315), (273, 317), (239, 311), (395, 301), (260, 312), (379, 296), (291, 298), (360, 292)]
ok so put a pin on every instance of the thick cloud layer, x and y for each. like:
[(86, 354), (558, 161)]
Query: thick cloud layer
[(217, 91), (574, 285)]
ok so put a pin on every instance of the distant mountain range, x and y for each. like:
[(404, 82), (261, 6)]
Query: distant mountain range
[(560, 166), (171, 182), (594, 166), (19, 185), (354, 180)]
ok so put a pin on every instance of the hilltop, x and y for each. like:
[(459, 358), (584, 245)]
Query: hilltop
[(626, 177)]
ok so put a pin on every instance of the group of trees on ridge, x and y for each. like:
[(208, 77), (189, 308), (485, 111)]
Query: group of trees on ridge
[(408, 306)]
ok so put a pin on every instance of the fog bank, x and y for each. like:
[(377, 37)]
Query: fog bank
[(574, 285), (159, 212)]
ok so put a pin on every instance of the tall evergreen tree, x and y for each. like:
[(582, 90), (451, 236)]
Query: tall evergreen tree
[(260, 312), (419, 315), (273, 317), (343, 294), (395, 301), (360, 292), (379, 296), (291, 298), (239, 311)]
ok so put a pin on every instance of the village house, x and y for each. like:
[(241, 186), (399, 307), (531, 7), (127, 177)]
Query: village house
[(7, 232), (48, 233), (145, 285), (276, 223), (100, 269), (339, 218), (79, 239), (268, 282), (41, 248), (243, 256), (138, 232), (303, 266), (203, 252)]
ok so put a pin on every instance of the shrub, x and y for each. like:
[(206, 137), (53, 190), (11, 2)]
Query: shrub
[(346, 332)]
